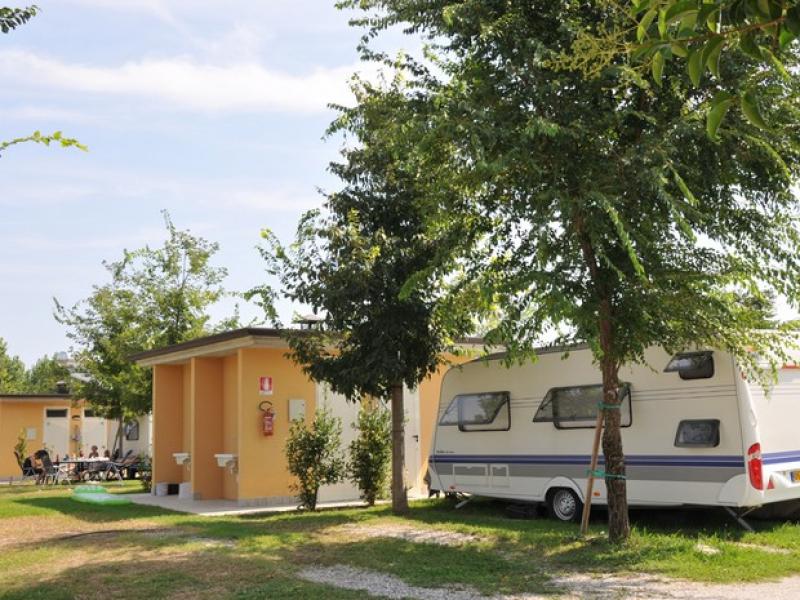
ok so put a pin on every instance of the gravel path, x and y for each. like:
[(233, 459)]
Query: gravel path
[(380, 585), (407, 532)]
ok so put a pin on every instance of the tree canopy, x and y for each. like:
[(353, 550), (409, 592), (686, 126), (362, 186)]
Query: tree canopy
[(597, 210), (156, 297), (353, 262), (12, 372)]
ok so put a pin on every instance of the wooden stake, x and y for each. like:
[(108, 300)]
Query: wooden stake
[(587, 505)]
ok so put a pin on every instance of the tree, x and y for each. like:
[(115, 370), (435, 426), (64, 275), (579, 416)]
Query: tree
[(12, 372), (649, 33), (354, 263), (596, 209), (156, 297), (10, 19), (46, 374), (371, 451), (314, 455)]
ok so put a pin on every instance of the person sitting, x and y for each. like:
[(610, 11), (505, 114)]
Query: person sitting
[(94, 453), (107, 454), (38, 464)]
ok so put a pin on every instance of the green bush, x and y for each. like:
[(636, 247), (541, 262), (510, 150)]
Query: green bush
[(314, 456), (371, 451), (21, 446)]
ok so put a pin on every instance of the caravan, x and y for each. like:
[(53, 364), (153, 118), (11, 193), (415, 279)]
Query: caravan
[(695, 431)]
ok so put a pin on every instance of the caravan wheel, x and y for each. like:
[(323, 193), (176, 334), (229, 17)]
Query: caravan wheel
[(564, 505)]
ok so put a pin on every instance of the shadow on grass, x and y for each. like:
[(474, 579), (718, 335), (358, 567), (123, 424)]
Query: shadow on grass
[(201, 575), (94, 513)]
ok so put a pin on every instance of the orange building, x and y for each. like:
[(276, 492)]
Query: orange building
[(61, 425), (209, 401)]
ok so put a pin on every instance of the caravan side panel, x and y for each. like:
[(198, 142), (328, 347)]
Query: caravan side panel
[(538, 456)]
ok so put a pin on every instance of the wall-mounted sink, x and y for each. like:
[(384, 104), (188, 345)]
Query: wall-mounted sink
[(182, 458), (226, 460)]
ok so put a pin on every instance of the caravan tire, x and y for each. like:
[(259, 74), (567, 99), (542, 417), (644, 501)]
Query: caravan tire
[(564, 505)]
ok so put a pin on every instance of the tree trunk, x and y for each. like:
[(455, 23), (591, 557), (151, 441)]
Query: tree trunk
[(399, 498), (619, 527)]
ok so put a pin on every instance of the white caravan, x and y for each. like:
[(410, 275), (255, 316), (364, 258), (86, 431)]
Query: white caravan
[(695, 431)]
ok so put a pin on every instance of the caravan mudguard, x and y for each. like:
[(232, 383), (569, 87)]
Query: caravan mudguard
[(563, 482)]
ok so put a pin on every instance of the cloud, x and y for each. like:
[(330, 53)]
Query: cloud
[(186, 84)]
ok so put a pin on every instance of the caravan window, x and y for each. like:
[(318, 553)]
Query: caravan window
[(479, 412), (698, 433), (692, 365), (576, 407)]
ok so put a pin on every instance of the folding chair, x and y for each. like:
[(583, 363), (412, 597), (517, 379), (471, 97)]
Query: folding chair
[(49, 470), (26, 466)]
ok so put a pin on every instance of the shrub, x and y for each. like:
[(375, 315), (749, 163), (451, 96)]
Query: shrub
[(371, 451), (21, 446), (314, 456)]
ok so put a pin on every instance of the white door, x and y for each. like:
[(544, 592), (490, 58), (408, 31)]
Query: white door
[(56, 431), (413, 459), (338, 406), (93, 432)]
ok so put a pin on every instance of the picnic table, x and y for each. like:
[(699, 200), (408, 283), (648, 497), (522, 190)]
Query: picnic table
[(84, 468)]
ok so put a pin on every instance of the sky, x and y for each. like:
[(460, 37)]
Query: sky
[(214, 111)]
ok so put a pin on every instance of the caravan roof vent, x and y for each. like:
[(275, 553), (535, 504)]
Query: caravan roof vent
[(692, 365)]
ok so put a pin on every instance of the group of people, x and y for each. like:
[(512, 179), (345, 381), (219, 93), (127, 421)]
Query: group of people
[(36, 463)]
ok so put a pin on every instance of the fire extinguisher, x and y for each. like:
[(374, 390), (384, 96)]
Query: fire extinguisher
[(268, 418)]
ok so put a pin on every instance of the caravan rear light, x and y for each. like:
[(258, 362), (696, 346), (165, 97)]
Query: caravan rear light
[(754, 466)]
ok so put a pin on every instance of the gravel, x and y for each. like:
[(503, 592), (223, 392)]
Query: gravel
[(640, 587), (408, 533)]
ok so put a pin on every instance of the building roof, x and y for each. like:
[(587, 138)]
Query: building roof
[(220, 344), (31, 397)]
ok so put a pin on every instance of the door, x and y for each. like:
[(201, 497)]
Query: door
[(412, 447), (56, 431), (338, 407), (93, 432)]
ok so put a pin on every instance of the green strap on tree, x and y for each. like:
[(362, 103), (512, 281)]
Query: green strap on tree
[(600, 474), (603, 405)]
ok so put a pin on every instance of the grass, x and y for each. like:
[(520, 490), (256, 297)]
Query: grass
[(52, 547)]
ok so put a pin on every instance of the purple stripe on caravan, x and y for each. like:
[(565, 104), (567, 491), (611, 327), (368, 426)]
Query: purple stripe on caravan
[(776, 458), (633, 460)]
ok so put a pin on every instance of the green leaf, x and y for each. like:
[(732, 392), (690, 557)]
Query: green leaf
[(679, 10), (750, 110), (719, 106), (695, 67), (658, 68), (662, 23), (711, 53), (679, 49), (644, 24), (785, 38), (712, 21), (748, 45), (777, 64), (690, 197)]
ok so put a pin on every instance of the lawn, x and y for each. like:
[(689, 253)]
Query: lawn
[(52, 547)]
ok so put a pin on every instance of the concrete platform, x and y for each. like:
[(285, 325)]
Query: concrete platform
[(222, 508)]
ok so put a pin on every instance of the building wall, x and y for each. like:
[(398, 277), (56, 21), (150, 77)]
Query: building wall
[(429, 391), (15, 416), (263, 471), (207, 426), (230, 421), (168, 409)]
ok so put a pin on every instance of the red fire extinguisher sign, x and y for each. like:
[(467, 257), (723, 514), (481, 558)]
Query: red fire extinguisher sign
[(265, 386)]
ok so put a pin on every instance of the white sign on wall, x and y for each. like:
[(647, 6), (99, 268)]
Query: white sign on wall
[(30, 433), (265, 386)]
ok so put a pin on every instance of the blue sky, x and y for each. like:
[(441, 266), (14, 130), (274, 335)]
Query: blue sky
[(212, 110)]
